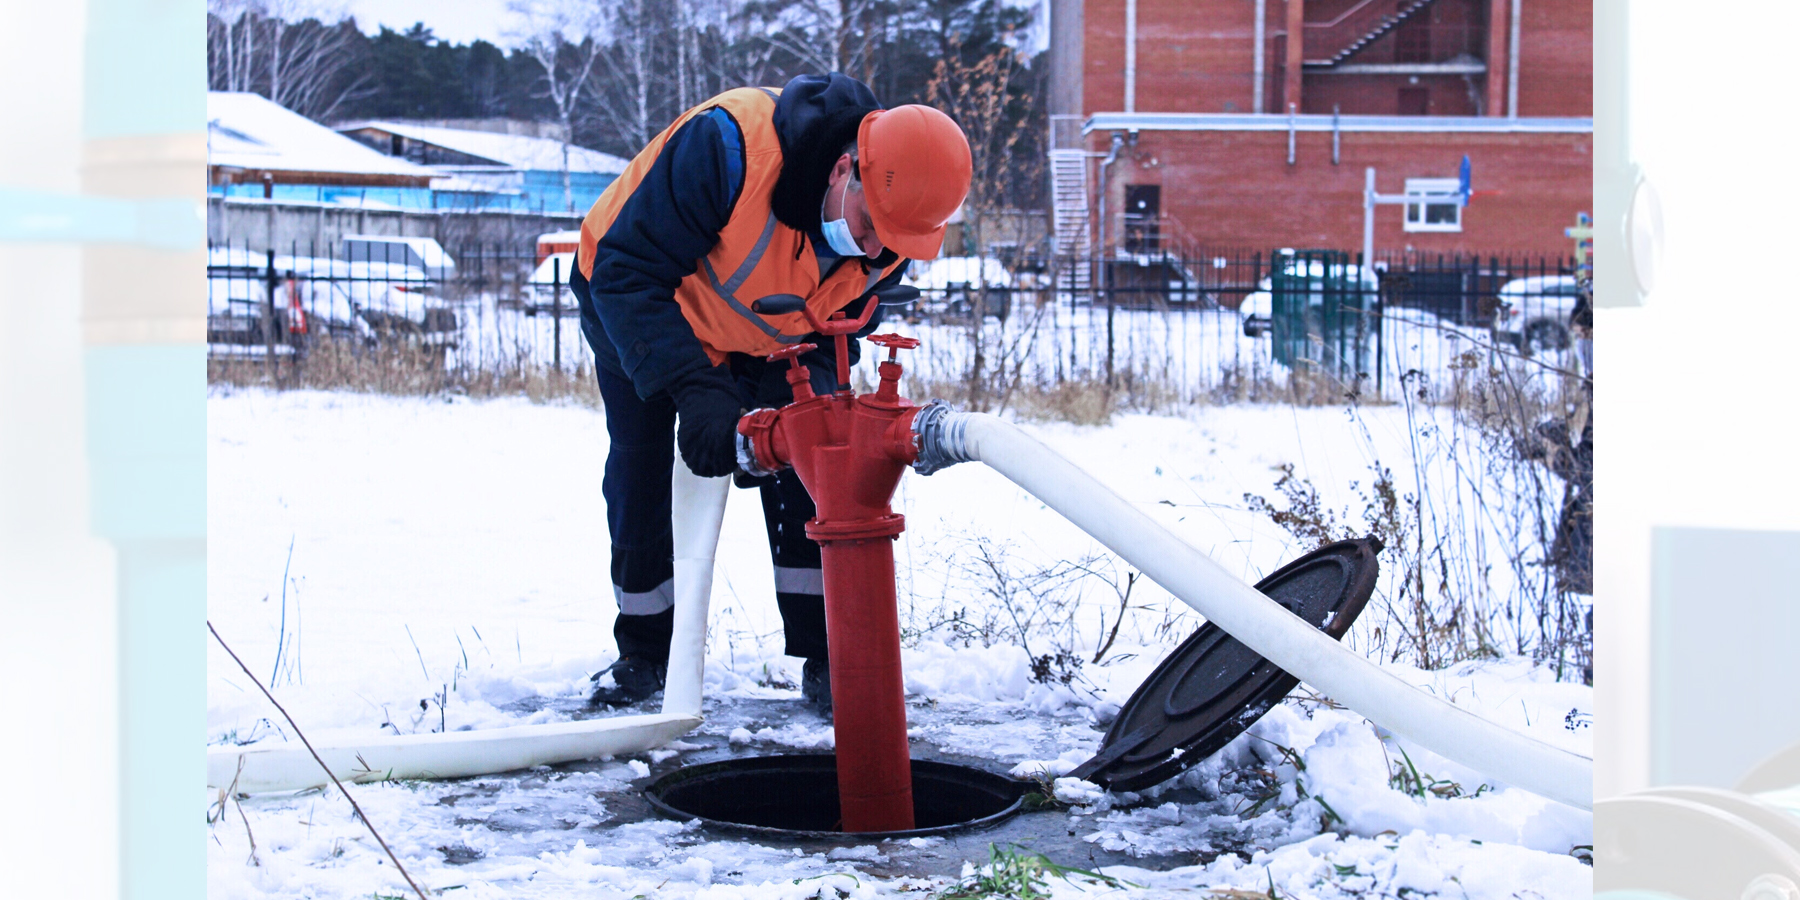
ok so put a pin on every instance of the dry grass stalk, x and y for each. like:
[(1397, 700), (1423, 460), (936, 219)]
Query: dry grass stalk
[(315, 755)]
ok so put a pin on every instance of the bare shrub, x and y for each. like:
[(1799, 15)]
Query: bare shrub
[(1501, 442), (990, 595), (403, 367)]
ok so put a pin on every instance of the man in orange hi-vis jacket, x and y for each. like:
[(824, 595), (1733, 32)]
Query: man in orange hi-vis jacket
[(812, 192)]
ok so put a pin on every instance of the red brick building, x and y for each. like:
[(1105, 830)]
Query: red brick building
[(1250, 123)]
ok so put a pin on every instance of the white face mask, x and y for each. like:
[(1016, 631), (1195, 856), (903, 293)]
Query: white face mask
[(837, 231)]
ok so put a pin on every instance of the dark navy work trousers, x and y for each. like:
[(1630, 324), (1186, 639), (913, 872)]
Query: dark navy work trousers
[(636, 485)]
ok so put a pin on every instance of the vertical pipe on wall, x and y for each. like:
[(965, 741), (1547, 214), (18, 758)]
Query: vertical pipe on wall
[(1368, 247), (1495, 94), (1257, 62), (1336, 134), (1291, 108), (1512, 64), (1296, 55), (1131, 55)]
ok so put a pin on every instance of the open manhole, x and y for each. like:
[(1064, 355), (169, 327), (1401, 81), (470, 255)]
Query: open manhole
[(797, 796)]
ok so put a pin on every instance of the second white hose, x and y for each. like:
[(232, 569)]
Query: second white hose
[(1264, 625), (698, 506)]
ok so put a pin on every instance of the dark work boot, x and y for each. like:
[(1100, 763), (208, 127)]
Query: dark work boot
[(634, 678), (815, 684)]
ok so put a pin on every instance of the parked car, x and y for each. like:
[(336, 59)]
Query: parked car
[(549, 279), (322, 297), (1258, 309), (948, 286), (1533, 313), (416, 252)]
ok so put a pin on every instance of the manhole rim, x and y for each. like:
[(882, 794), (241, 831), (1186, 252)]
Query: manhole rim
[(653, 795)]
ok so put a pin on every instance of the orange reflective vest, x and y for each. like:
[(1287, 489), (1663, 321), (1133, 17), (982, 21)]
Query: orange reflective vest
[(756, 257)]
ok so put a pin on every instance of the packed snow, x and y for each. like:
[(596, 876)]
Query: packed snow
[(400, 565)]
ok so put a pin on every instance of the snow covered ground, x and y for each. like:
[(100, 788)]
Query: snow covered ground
[(403, 564)]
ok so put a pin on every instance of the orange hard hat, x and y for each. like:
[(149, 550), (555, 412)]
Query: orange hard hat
[(915, 173)]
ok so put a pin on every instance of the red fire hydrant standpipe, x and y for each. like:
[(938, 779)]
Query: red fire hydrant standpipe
[(850, 452)]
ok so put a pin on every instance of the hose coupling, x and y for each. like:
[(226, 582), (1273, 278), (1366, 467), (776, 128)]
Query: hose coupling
[(755, 425), (938, 428)]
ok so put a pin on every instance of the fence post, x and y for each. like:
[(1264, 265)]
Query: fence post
[(556, 314), (269, 367), (1380, 326)]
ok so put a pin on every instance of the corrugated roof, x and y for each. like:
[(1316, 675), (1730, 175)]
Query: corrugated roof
[(515, 150), (251, 132)]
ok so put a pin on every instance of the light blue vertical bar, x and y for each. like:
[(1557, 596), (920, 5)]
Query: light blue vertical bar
[(145, 77), (1613, 175), (146, 439), (145, 68)]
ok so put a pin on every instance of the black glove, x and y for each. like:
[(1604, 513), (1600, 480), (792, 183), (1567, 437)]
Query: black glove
[(706, 403)]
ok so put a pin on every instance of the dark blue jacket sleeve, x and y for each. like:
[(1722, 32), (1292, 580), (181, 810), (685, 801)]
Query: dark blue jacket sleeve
[(662, 231)]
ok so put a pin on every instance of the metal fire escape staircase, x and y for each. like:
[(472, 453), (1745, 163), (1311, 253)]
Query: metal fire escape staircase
[(1386, 25), (1069, 212)]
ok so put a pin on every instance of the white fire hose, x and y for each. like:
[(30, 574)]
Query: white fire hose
[(947, 437), (699, 506)]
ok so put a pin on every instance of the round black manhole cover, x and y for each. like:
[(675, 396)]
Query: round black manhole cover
[(1213, 688), (796, 796)]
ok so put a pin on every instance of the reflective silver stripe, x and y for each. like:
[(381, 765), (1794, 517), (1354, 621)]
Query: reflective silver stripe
[(791, 580), (726, 290), (756, 254), (647, 603), (772, 95)]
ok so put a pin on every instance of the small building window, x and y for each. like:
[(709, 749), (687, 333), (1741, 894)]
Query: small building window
[(1442, 213)]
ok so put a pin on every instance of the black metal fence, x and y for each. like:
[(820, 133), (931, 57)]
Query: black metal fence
[(371, 310), (1190, 325)]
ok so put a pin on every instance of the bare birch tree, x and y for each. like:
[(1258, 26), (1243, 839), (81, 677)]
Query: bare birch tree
[(309, 69), (824, 35), (295, 53), (981, 98), (230, 45), (563, 36), (741, 53), (632, 27)]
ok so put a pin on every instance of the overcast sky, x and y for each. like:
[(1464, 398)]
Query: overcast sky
[(457, 21)]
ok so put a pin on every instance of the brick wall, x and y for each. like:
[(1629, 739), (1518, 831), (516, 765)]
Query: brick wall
[(1556, 58), (1197, 56), (1192, 56), (1235, 189)]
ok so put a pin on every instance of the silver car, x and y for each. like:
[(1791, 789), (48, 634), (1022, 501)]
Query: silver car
[(1533, 313)]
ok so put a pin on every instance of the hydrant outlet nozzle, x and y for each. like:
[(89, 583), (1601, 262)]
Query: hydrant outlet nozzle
[(938, 432)]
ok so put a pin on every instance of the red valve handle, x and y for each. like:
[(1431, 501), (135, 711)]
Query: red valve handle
[(894, 342), (792, 354), (836, 323)]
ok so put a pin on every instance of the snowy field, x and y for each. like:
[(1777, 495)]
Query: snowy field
[(405, 565)]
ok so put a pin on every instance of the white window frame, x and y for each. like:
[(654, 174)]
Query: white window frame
[(1416, 212)]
